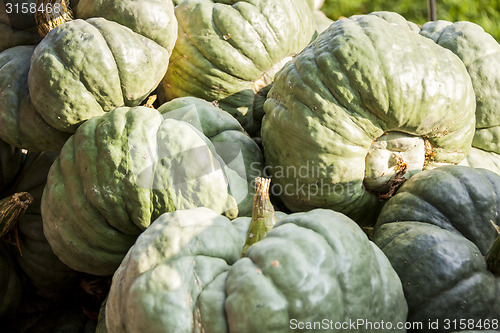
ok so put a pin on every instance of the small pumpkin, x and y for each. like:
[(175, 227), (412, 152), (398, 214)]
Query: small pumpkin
[(185, 274), (438, 233), (480, 53), (358, 111), (112, 54), (121, 171), (227, 51)]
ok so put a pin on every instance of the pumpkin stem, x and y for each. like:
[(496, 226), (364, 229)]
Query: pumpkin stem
[(493, 255), (50, 14), (263, 216), (11, 209)]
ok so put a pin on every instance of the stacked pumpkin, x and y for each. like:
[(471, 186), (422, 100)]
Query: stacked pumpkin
[(160, 196)]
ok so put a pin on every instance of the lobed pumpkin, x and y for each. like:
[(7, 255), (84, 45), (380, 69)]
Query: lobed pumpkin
[(113, 54), (11, 282), (122, 170), (185, 274), (480, 53), (436, 232), (366, 104), (228, 51), (49, 276)]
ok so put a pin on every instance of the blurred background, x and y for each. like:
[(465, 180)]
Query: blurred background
[(486, 13)]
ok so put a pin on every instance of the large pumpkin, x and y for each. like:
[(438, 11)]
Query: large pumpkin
[(227, 51), (480, 53), (368, 103), (436, 232), (121, 171), (113, 54), (185, 274)]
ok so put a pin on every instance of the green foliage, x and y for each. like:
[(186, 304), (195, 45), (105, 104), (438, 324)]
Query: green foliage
[(486, 13)]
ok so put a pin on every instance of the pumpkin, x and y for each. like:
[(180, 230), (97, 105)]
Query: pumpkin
[(480, 53), (51, 278), (21, 124), (112, 54), (16, 27), (436, 231), (185, 274), (365, 106), (121, 171), (227, 51)]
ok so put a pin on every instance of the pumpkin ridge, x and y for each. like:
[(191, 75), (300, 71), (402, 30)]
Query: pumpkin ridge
[(229, 40), (333, 249), (114, 61), (200, 49), (237, 8), (443, 294)]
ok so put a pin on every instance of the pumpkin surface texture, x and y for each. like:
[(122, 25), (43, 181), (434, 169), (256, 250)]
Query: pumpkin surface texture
[(228, 51), (437, 231)]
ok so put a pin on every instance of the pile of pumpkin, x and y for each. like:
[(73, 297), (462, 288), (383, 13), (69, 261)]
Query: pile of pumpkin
[(134, 135)]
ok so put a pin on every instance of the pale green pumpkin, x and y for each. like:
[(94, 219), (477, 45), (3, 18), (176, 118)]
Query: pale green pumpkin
[(480, 53), (112, 54), (366, 104), (227, 51), (122, 170)]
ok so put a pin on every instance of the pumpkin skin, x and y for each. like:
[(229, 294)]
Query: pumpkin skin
[(113, 54), (51, 278), (227, 51), (119, 172), (184, 274), (21, 124), (17, 28), (436, 232), (479, 158), (350, 102), (480, 53)]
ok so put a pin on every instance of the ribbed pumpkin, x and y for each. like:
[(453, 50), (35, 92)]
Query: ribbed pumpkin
[(121, 171), (366, 105), (112, 54), (439, 235), (228, 51), (46, 272), (480, 53), (185, 274)]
